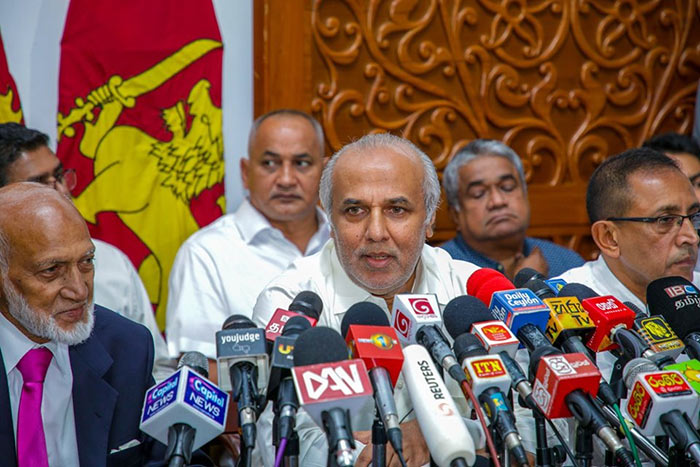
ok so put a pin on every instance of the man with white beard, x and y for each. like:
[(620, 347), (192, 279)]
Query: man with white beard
[(94, 364)]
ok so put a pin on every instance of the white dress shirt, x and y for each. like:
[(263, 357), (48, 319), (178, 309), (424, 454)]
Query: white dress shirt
[(57, 400), (119, 288), (220, 270), (322, 273)]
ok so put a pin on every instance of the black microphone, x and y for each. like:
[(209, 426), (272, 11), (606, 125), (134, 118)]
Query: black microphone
[(281, 386), (330, 404), (528, 278), (241, 351), (490, 383), (677, 300), (368, 314), (307, 303), (181, 435)]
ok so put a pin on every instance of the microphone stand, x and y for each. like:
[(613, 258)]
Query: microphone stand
[(584, 446), (378, 442), (291, 452), (542, 452)]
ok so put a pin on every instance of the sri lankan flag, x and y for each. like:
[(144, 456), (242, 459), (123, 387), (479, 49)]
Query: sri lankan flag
[(10, 107), (140, 121)]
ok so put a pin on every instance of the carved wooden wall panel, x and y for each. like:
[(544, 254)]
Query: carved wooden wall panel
[(566, 83)]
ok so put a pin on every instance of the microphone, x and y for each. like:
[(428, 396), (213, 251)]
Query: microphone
[(489, 380), (528, 278), (662, 402), (416, 319), (468, 314), (281, 385), (563, 387), (518, 309), (306, 303), (678, 301), (656, 332), (444, 430), (331, 388), (241, 355), (613, 321), (369, 338), (184, 411)]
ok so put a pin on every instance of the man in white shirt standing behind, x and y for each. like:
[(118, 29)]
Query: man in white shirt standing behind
[(644, 217), (220, 270)]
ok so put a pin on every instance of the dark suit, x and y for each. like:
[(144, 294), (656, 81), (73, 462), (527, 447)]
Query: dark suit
[(111, 373)]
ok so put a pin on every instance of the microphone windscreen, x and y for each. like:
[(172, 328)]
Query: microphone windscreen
[(468, 345), (307, 303), (238, 322), (319, 345), (463, 311), (677, 300), (365, 313), (295, 326), (634, 308), (483, 283), (580, 291), (525, 275), (195, 360), (634, 367)]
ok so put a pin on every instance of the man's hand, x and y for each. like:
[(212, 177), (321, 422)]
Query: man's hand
[(535, 261), (415, 451)]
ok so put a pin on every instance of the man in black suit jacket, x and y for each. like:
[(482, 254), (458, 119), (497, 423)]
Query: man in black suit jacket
[(46, 294)]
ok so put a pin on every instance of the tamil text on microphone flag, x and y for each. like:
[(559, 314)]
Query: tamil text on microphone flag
[(10, 107), (140, 120)]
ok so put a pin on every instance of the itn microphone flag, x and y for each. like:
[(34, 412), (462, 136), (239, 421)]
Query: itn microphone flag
[(140, 121)]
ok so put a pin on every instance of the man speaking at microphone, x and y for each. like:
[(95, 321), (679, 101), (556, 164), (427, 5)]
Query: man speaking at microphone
[(644, 216), (72, 374), (380, 194)]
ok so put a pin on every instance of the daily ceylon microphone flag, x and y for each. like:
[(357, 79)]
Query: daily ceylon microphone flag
[(10, 106), (140, 121)]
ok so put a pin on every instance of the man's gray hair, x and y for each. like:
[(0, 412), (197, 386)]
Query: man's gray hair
[(477, 148), (431, 183), (287, 113)]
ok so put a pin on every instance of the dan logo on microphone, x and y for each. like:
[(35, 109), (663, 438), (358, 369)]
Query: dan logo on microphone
[(329, 382)]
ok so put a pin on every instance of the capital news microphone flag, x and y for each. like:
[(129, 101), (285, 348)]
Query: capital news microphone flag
[(139, 118)]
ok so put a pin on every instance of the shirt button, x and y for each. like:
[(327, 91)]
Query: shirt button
[(399, 384), (499, 268)]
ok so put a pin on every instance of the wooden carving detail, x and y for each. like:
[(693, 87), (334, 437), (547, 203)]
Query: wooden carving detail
[(565, 83)]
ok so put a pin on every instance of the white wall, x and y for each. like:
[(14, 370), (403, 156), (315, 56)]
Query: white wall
[(31, 33)]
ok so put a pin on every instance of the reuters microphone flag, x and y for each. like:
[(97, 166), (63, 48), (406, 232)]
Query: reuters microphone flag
[(10, 107), (139, 118)]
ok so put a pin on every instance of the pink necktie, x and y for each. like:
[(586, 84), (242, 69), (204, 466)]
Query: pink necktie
[(31, 443)]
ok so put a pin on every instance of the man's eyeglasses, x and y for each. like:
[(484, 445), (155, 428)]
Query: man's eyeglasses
[(66, 177), (663, 224)]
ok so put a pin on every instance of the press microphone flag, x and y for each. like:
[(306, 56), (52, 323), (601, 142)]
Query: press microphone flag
[(185, 397)]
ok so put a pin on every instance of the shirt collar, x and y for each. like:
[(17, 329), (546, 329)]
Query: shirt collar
[(15, 345), (602, 273), (250, 222)]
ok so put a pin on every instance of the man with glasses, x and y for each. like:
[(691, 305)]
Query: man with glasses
[(25, 156), (644, 219)]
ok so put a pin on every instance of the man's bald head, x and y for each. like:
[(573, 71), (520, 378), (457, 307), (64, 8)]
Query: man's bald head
[(46, 264), (28, 206)]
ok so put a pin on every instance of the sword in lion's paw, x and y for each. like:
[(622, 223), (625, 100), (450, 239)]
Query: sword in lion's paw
[(127, 91)]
